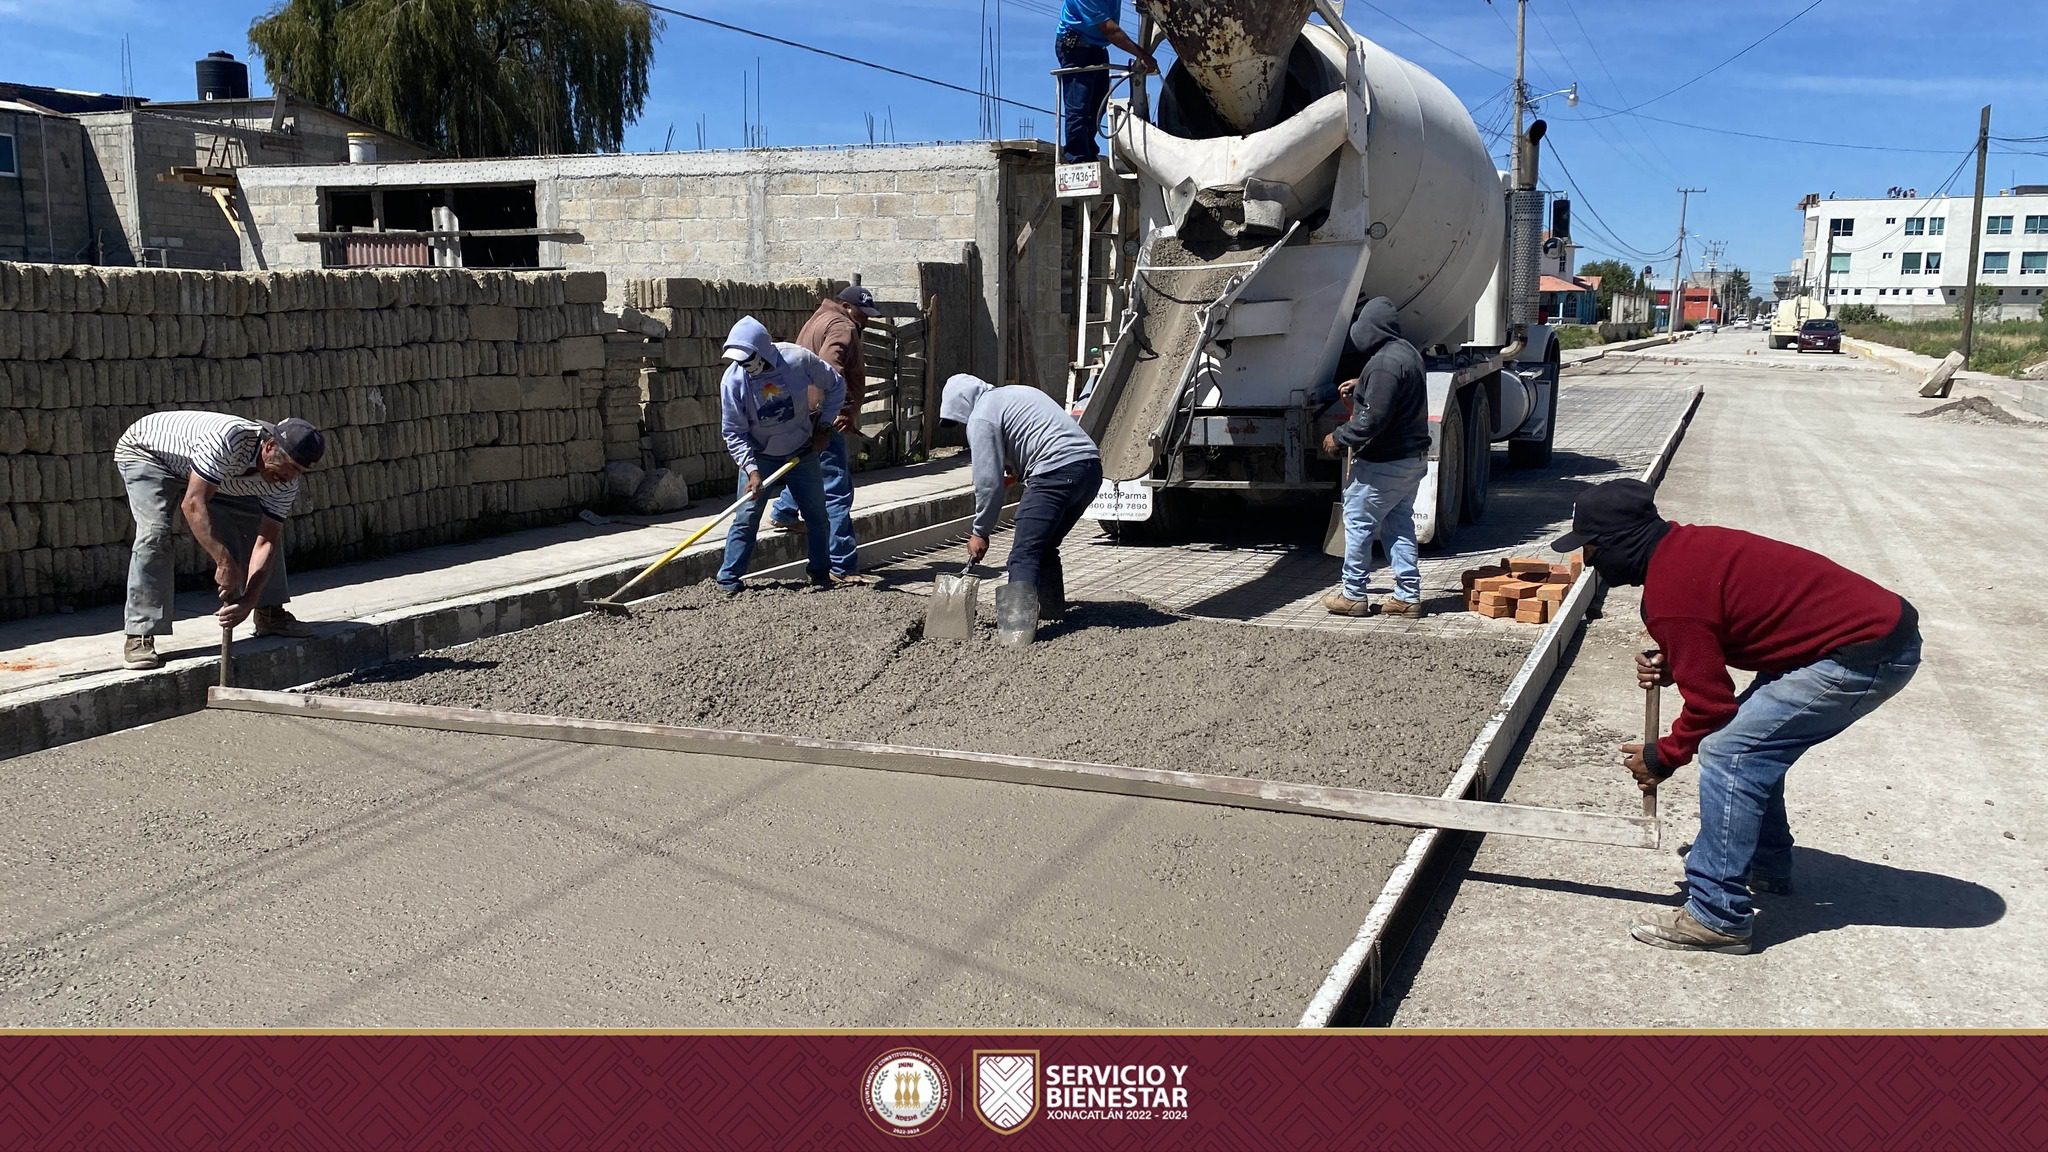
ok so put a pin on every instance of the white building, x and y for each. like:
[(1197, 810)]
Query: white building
[(1909, 257)]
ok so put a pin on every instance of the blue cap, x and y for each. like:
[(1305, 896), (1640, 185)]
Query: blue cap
[(860, 298)]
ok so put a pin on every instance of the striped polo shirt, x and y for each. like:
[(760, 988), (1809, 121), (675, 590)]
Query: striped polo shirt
[(223, 450)]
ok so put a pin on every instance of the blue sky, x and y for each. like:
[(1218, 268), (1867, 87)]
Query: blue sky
[(1881, 74)]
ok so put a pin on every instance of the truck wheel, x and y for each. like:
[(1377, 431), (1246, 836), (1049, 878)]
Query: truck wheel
[(1479, 467), (1536, 453), (1451, 467)]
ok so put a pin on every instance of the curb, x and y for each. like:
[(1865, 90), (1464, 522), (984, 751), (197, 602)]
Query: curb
[(106, 702)]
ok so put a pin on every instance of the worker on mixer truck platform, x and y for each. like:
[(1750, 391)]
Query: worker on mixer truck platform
[(1827, 646), (1022, 432), (1086, 30), (235, 480), (776, 403), (1387, 438), (833, 332)]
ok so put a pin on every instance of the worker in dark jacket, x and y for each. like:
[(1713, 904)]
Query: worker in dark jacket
[(1827, 647), (833, 332), (1388, 440)]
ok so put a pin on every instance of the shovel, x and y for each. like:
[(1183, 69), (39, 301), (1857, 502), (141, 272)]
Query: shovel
[(955, 600), (615, 603), (1333, 534)]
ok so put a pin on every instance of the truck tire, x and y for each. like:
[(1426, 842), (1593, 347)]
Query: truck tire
[(1536, 453), (1451, 467), (1479, 466)]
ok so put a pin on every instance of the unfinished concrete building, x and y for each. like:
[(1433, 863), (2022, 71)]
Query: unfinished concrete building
[(939, 228), (95, 178)]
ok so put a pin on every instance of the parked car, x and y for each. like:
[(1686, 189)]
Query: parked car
[(1819, 335), (1708, 328)]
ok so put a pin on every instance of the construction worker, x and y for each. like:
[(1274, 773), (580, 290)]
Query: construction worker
[(776, 403), (1827, 647), (1387, 437), (1022, 433), (235, 480), (833, 333), (1086, 30)]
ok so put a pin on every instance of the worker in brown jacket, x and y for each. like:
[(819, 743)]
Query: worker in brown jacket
[(833, 332)]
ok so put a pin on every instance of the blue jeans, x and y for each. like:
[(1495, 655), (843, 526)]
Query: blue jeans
[(1081, 97), (1379, 503), (806, 483), (153, 497), (1053, 503), (1743, 827), (838, 468)]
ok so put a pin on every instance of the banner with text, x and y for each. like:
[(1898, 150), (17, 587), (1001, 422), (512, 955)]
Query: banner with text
[(854, 1090)]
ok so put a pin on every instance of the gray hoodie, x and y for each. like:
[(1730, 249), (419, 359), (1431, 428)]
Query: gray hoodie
[(1018, 430), (771, 414)]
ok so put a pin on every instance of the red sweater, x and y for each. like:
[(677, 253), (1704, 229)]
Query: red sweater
[(1717, 598)]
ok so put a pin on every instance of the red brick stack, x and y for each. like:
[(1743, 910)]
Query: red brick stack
[(1521, 588)]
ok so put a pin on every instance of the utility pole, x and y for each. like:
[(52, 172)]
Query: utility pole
[(1685, 196), (1976, 238), (1521, 83)]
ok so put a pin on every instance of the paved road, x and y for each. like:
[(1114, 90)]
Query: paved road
[(1923, 832)]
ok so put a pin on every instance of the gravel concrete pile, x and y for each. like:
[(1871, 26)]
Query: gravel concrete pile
[(1115, 683)]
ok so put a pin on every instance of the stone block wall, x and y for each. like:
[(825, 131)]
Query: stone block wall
[(679, 385), (456, 403)]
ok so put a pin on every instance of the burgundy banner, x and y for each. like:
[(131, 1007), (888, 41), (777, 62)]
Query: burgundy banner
[(1043, 1091)]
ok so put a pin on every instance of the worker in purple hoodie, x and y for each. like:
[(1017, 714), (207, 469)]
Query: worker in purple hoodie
[(776, 403)]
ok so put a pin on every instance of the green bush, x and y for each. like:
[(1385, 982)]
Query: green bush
[(1859, 314)]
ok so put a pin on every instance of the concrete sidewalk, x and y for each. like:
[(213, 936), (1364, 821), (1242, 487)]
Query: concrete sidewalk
[(61, 677), (2030, 397), (1921, 857)]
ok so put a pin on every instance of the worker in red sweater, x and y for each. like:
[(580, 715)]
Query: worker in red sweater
[(1827, 646)]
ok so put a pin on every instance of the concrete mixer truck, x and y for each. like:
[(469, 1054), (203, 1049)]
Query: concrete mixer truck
[(1293, 170)]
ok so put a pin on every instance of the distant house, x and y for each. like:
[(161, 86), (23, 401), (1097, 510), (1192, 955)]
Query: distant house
[(97, 178), (1569, 301)]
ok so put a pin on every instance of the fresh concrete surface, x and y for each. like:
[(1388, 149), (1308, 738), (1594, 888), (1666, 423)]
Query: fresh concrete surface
[(226, 869), (1921, 856), (61, 677)]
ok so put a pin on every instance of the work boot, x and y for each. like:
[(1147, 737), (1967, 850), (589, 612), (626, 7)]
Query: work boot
[(1674, 928), (139, 652), (782, 525), (850, 580), (1342, 605), (278, 622), (1016, 614), (1395, 606)]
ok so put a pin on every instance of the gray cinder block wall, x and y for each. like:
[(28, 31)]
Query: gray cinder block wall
[(760, 216), (457, 403)]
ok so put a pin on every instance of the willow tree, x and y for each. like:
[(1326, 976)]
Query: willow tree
[(469, 77)]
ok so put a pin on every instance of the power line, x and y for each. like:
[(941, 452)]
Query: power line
[(1613, 232), (1723, 64), (1921, 207), (840, 56), (1437, 42)]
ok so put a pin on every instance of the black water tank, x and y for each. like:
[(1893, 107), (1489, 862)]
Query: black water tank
[(222, 77)]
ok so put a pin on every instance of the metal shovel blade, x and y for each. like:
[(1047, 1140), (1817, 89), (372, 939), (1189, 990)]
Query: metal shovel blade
[(951, 614)]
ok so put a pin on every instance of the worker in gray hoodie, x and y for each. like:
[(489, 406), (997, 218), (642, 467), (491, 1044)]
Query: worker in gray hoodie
[(1023, 433), (1388, 439), (776, 402)]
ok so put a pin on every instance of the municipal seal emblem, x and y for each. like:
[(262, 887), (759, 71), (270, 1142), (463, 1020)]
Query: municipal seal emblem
[(905, 1092)]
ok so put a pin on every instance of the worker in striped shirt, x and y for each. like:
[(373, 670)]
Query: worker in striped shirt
[(235, 480)]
